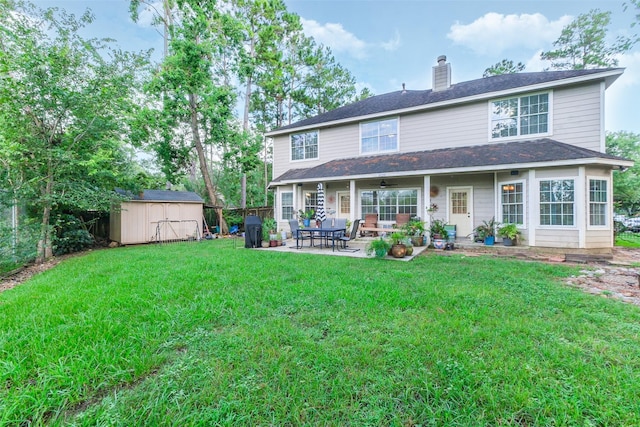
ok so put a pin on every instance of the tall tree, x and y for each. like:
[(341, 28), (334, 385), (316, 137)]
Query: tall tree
[(626, 184), (68, 100), (193, 87), (506, 66), (582, 44)]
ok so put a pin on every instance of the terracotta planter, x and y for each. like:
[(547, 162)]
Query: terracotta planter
[(398, 251)]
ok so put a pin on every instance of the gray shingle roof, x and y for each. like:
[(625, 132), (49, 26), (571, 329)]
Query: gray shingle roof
[(538, 151), (163, 196), (400, 100)]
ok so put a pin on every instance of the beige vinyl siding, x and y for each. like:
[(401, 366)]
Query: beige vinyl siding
[(333, 143), (598, 239), (460, 126), (575, 119), (557, 238), (577, 116)]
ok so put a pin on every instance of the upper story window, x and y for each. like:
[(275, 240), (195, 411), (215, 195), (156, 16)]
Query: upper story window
[(304, 146), (525, 115), (379, 136)]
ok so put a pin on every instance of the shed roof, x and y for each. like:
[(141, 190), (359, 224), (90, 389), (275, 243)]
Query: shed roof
[(163, 196), (479, 157)]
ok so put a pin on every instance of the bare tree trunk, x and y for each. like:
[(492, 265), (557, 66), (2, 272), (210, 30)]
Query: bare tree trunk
[(202, 157), (44, 249)]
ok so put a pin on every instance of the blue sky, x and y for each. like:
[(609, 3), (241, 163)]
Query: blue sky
[(387, 43)]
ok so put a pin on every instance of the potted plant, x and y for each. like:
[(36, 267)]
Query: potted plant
[(487, 231), (438, 233), (398, 248), (378, 247), (306, 216), (269, 234), (415, 229), (509, 233)]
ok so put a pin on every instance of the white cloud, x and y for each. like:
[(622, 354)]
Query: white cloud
[(535, 63), (621, 97), (336, 37), (392, 44), (150, 13), (340, 40), (495, 33)]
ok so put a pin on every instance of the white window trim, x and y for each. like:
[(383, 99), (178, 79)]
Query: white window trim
[(389, 223), (521, 137), (282, 193), (380, 119), (525, 218), (575, 225), (291, 151), (607, 222)]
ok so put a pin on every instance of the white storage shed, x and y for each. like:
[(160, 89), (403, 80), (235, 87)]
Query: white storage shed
[(157, 216)]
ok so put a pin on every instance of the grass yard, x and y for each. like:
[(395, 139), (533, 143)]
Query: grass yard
[(628, 240), (206, 334)]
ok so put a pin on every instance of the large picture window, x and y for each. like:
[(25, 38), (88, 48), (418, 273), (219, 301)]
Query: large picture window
[(598, 202), (388, 203), (512, 200), (380, 136), (557, 199), (526, 115), (304, 146), (287, 205)]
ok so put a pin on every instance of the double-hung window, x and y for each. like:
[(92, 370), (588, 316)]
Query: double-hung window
[(512, 201), (557, 202), (521, 116), (598, 202), (379, 136), (286, 199), (304, 146), (311, 201)]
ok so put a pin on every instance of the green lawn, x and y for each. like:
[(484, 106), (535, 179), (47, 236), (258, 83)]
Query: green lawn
[(206, 334), (628, 240)]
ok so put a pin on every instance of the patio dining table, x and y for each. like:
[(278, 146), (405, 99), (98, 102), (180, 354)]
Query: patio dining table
[(323, 233)]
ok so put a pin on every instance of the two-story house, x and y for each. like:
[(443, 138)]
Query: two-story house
[(525, 148)]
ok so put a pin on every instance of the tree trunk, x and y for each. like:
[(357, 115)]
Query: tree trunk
[(44, 249), (211, 191)]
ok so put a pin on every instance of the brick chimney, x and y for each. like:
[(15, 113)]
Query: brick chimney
[(441, 75)]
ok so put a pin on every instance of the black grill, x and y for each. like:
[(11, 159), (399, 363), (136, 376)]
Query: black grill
[(252, 231)]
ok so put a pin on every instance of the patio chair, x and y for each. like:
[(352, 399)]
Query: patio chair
[(334, 223), (402, 219), (370, 220), (295, 226), (344, 239)]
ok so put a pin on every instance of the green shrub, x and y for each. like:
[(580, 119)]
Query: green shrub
[(70, 236)]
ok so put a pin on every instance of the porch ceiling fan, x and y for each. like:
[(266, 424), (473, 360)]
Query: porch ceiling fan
[(385, 184)]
